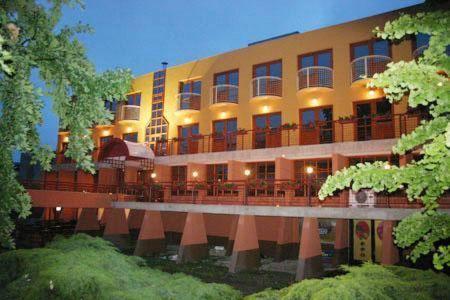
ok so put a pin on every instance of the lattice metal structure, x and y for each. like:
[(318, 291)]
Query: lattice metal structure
[(316, 76), (367, 66), (266, 86)]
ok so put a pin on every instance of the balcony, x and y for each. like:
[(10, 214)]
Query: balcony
[(128, 113), (320, 132), (188, 103), (266, 87), (314, 79), (363, 68), (224, 95)]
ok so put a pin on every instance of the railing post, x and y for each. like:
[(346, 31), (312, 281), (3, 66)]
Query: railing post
[(365, 65), (307, 77)]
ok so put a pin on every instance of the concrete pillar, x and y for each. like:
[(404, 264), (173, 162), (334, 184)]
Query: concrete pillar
[(389, 250), (151, 240), (288, 239), (232, 235), (135, 218), (338, 162), (116, 230), (88, 221), (341, 241), (246, 248), (310, 254), (194, 242)]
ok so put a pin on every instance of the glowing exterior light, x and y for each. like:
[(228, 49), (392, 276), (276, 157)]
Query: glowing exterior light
[(106, 132), (223, 115), (187, 120), (58, 208), (153, 175), (387, 166), (195, 174), (66, 139), (265, 108), (129, 129), (314, 101), (247, 172), (440, 83), (309, 170)]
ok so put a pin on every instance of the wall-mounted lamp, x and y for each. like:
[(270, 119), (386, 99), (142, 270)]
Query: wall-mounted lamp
[(265, 109), (106, 132), (247, 172), (187, 120), (129, 129), (58, 208), (387, 166), (195, 174), (66, 139), (309, 170), (314, 101), (153, 175)]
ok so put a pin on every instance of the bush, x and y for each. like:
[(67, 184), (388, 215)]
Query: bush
[(368, 282), (83, 267)]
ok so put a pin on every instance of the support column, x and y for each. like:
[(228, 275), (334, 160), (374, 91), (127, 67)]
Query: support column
[(232, 235), (338, 162), (390, 252), (246, 249), (194, 242), (88, 222), (151, 240), (288, 239), (341, 250), (284, 171), (116, 230), (236, 171), (310, 254), (135, 218)]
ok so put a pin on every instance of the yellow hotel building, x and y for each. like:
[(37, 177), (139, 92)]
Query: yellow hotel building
[(254, 131)]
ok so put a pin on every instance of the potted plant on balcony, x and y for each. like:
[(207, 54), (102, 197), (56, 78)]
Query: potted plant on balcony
[(288, 185), (289, 126), (200, 186), (228, 186), (346, 119), (157, 186)]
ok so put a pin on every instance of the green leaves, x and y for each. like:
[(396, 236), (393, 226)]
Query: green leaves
[(424, 82), (35, 44)]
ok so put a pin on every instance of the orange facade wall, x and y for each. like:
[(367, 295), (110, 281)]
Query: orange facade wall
[(66, 199)]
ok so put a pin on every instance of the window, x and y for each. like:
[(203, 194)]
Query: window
[(263, 170), (130, 137), (321, 58), (267, 130), (322, 168), (374, 120), (134, 99), (371, 47), (224, 133), (179, 173), (191, 87), (188, 139), (273, 69), (111, 106), (392, 159), (105, 139), (316, 125), (228, 77), (217, 173)]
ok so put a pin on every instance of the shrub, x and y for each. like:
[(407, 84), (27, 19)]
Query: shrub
[(83, 267), (367, 282)]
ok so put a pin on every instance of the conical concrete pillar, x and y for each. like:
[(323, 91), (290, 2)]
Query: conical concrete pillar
[(341, 241), (151, 240), (88, 222), (194, 242), (288, 239), (310, 254), (246, 248), (135, 218), (390, 251), (232, 235), (116, 229)]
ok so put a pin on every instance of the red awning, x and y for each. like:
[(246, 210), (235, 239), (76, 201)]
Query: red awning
[(124, 150)]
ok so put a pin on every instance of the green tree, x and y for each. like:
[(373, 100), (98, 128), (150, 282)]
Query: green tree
[(425, 83), (32, 42)]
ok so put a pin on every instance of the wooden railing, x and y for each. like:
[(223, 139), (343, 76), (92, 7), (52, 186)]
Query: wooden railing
[(245, 192), (322, 132)]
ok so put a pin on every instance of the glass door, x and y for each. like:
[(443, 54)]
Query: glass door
[(224, 135), (188, 143), (267, 130), (374, 120), (316, 126)]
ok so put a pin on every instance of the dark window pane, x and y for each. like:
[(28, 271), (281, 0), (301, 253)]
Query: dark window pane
[(381, 48), (275, 69), (324, 59), (384, 107), (307, 61), (361, 50), (275, 120)]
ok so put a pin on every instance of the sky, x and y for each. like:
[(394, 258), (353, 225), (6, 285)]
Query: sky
[(140, 34)]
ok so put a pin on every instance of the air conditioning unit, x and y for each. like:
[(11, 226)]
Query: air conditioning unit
[(362, 198)]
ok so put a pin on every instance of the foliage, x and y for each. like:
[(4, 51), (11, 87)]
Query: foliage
[(425, 83), (32, 44), (367, 282), (83, 267)]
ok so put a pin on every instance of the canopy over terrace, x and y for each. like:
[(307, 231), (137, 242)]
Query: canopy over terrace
[(129, 153)]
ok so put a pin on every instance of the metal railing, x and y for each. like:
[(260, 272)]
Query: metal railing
[(316, 76), (266, 86), (367, 66), (129, 113), (320, 132), (419, 51), (244, 192), (188, 101), (224, 93)]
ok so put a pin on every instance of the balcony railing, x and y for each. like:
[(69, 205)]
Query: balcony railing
[(188, 101), (367, 66), (244, 192), (129, 113), (314, 77), (266, 86), (321, 132), (419, 51), (224, 93)]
